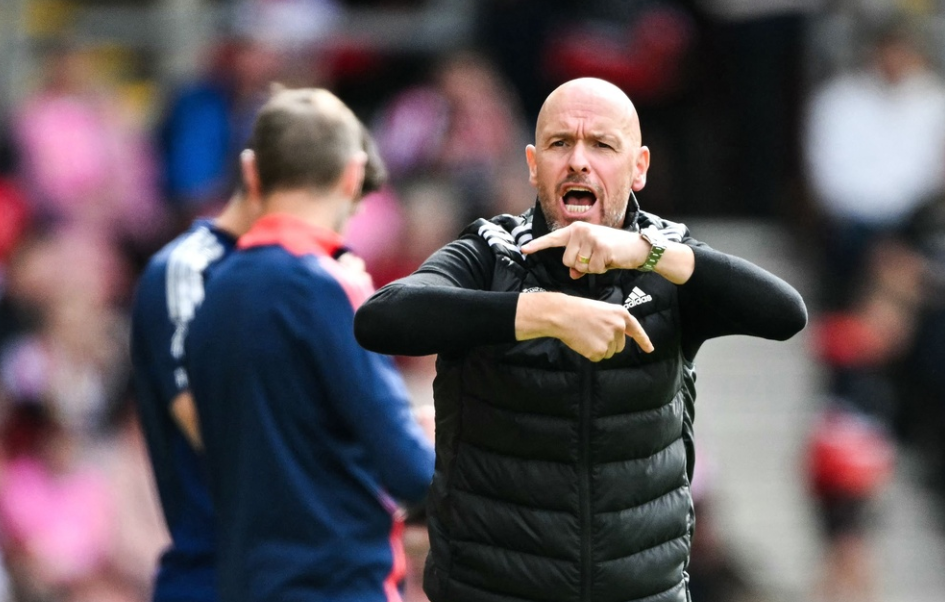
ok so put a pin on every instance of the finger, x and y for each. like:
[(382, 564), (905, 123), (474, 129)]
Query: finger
[(575, 274), (611, 349), (636, 332), (621, 343), (583, 258), (558, 238), (596, 264)]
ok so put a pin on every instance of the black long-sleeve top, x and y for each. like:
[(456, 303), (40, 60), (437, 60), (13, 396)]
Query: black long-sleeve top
[(446, 305)]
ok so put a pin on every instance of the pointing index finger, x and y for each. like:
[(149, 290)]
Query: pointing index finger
[(558, 238), (635, 331)]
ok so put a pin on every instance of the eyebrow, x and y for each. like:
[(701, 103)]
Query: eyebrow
[(568, 135)]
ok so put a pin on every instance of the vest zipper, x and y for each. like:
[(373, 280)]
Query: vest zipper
[(585, 481), (587, 398)]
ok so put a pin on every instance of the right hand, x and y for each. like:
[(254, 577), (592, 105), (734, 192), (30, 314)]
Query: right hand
[(594, 329)]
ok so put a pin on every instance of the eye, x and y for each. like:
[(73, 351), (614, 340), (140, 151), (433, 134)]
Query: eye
[(558, 143), (604, 145)]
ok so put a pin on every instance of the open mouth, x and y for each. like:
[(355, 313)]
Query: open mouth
[(578, 200)]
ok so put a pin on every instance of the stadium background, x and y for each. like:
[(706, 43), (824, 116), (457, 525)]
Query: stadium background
[(102, 160)]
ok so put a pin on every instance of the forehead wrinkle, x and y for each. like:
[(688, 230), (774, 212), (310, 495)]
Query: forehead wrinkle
[(582, 102)]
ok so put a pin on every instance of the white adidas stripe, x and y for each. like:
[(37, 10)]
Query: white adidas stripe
[(184, 281)]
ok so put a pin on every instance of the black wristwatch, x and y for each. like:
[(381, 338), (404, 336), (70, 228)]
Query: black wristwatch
[(658, 244)]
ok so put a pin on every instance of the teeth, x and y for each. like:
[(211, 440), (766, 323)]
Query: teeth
[(578, 208)]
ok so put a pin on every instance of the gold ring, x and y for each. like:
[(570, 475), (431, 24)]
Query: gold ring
[(582, 259)]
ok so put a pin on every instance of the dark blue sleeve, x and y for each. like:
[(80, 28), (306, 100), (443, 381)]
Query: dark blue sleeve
[(152, 331), (366, 390)]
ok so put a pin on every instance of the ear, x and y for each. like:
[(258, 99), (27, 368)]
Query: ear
[(642, 164), (250, 173), (530, 158), (352, 178)]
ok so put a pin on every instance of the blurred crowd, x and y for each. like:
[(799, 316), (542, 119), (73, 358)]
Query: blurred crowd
[(825, 118)]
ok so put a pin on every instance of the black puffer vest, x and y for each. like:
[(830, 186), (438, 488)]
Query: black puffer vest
[(558, 479)]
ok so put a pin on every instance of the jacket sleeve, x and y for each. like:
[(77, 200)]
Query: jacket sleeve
[(728, 295), (444, 307), (367, 392)]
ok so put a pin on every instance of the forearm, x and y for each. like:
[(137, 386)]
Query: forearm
[(184, 412), (729, 295), (677, 263), (420, 316)]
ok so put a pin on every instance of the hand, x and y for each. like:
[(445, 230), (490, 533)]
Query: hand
[(593, 249), (356, 273), (426, 418), (594, 329)]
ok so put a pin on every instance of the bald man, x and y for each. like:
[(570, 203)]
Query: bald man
[(565, 392)]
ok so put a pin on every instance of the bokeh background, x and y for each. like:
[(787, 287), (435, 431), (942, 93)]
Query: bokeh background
[(805, 135)]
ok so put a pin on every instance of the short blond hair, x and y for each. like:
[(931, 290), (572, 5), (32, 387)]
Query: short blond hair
[(304, 138)]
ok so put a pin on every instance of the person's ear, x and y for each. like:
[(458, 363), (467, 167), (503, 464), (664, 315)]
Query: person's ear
[(642, 164), (352, 178), (250, 173), (531, 159)]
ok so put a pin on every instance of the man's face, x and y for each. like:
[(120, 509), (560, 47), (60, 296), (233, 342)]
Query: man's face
[(587, 157)]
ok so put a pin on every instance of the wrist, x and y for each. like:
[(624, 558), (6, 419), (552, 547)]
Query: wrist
[(536, 315), (657, 244)]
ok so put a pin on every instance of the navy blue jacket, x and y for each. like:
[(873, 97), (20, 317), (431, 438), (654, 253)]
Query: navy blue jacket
[(309, 437), (169, 291)]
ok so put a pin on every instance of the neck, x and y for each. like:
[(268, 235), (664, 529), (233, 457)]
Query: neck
[(236, 217), (326, 210)]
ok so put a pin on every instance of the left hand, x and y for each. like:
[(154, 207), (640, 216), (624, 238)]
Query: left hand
[(593, 249)]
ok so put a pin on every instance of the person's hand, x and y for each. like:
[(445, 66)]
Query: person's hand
[(426, 418), (595, 329), (593, 249), (356, 273)]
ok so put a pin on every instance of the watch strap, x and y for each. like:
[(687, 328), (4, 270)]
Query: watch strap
[(657, 248)]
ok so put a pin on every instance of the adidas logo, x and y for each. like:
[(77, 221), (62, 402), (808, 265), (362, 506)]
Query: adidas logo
[(636, 297)]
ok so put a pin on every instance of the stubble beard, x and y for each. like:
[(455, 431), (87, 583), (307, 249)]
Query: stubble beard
[(613, 218)]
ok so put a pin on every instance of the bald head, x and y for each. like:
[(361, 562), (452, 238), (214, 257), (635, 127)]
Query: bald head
[(588, 154), (591, 94)]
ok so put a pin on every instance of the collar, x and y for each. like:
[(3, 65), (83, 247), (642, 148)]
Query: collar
[(293, 234)]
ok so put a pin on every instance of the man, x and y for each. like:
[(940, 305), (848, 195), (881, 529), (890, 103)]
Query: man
[(309, 438), (564, 453), (170, 289)]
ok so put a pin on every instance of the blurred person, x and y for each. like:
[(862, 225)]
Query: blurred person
[(71, 356), (309, 439), (170, 289), (851, 447), (875, 150), (84, 161), (55, 510), (169, 292), (564, 452), (138, 532), (207, 122), (643, 49), (649, 49), (462, 125), (16, 223), (920, 416)]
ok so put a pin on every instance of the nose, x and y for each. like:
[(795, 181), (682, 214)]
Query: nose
[(577, 161)]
